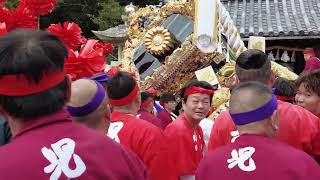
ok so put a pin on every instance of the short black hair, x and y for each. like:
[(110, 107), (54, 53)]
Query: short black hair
[(167, 97), (311, 81), (32, 53), (178, 107), (316, 50), (283, 87), (120, 85), (145, 96), (195, 83), (253, 65)]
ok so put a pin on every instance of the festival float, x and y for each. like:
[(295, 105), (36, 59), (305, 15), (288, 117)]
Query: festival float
[(164, 45), (168, 43)]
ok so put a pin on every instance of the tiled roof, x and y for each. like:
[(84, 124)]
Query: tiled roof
[(275, 18)]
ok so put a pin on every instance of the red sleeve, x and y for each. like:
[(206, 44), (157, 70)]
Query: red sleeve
[(179, 144), (316, 143), (165, 118), (299, 128), (154, 150), (221, 131), (309, 134)]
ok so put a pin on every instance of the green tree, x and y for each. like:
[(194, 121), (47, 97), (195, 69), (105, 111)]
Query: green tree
[(11, 3), (78, 11), (89, 14), (109, 15), (140, 3)]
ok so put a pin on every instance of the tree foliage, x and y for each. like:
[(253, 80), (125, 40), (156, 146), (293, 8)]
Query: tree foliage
[(109, 15), (89, 14), (78, 11), (140, 3), (11, 3)]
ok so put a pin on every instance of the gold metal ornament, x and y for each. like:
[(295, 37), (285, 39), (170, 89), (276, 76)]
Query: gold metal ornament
[(226, 75), (158, 40)]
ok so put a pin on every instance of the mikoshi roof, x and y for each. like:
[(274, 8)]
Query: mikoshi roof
[(275, 18)]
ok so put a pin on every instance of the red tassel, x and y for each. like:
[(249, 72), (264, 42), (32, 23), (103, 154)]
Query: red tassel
[(39, 7), (69, 34), (87, 63)]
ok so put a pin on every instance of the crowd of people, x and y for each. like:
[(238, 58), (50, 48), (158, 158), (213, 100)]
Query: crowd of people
[(106, 127)]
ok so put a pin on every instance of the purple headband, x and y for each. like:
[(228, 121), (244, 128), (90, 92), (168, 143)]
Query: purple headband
[(258, 114), (101, 78), (90, 106)]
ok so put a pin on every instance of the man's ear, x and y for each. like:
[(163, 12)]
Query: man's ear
[(274, 119), (272, 79), (183, 104), (68, 89), (237, 79), (138, 99)]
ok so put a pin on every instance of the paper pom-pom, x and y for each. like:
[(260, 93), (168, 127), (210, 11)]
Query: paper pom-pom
[(5, 14), (88, 62), (107, 48), (2, 2), (113, 71), (69, 34), (22, 18), (3, 29), (116, 69), (39, 7)]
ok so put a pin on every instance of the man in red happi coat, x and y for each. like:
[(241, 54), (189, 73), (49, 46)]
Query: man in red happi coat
[(146, 107), (143, 138), (46, 144), (184, 134), (298, 127), (255, 154), (168, 102), (88, 105)]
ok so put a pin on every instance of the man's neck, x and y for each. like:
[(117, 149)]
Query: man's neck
[(125, 110), (256, 130), (102, 127), (191, 122), (168, 110)]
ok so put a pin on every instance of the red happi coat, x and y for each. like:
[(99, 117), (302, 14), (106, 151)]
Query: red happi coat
[(53, 146), (146, 140), (257, 157), (187, 144), (297, 127), (165, 118), (145, 115)]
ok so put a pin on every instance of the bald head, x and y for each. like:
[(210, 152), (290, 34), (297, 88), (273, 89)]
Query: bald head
[(85, 94), (249, 96), (82, 91)]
